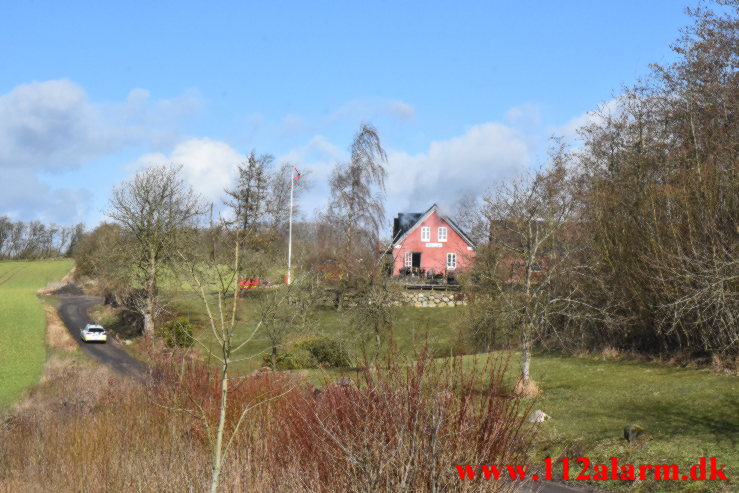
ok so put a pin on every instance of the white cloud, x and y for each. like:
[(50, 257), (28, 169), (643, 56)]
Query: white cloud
[(23, 196), (383, 111), (451, 169), (146, 114), (317, 151), (402, 110), (48, 125), (52, 126), (208, 165)]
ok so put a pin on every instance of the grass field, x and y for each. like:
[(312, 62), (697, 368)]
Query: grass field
[(412, 328), (686, 414), (22, 323)]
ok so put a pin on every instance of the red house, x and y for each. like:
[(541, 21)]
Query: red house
[(426, 243)]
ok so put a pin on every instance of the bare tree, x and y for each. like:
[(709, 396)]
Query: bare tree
[(34, 240), (155, 208), (372, 313), (6, 225), (286, 312), (103, 254), (278, 199), (215, 279), (525, 219), (357, 192), (349, 230)]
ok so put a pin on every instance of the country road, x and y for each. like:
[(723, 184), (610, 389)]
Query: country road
[(73, 311)]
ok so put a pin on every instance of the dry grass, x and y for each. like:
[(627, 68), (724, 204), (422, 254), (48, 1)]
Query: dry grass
[(53, 286), (610, 353), (526, 390), (84, 429), (57, 335)]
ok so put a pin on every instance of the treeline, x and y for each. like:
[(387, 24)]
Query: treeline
[(35, 240), (160, 223), (660, 199), (637, 230)]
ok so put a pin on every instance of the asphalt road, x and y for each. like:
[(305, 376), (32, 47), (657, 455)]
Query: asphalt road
[(73, 311)]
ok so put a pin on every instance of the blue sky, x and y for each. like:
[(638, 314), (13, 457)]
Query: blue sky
[(464, 94)]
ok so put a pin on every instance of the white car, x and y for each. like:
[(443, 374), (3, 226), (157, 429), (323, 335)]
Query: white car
[(93, 333)]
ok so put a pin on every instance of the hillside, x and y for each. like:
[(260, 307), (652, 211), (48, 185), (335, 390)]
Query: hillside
[(22, 323)]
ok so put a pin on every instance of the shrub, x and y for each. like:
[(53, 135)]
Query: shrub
[(291, 359), (397, 429), (402, 429), (326, 352), (177, 333), (316, 352)]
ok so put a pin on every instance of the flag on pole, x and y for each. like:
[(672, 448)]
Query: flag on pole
[(297, 173)]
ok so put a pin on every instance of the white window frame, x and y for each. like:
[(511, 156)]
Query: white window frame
[(425, 233), (439, 237), (408, 259), (451, 261)]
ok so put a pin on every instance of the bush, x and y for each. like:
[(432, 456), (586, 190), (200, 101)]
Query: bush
[(292, 359), (315, 352), (326, 352), (177, 333)]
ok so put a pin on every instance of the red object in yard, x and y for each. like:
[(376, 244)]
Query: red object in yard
[(249, 283)]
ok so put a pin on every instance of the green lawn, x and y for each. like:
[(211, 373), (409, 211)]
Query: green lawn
[(686, 414), (412, 328), (22, 323)]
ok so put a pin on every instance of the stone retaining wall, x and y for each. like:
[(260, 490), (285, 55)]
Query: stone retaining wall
[(432, 298)]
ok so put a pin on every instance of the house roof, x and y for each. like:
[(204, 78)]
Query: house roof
[(400, 233)]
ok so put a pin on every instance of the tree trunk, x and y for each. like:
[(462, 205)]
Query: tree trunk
[(151, 292), (526, 329), (525, 356), (148, 319), (218, 452)]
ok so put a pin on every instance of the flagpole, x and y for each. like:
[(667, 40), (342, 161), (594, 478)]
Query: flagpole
[(290, 233)]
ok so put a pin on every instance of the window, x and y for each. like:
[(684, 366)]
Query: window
[(425, 233), (441, 234), (451, 261), (408, 259)]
